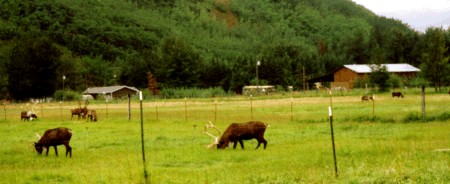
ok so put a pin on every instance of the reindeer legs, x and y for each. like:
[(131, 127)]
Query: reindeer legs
[(68, 149), (56, 150), (242, 144)]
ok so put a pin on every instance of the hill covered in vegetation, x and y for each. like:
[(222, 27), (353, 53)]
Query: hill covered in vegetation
[(189, 43)]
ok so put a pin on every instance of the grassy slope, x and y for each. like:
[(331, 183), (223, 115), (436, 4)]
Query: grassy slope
[(298, 151)]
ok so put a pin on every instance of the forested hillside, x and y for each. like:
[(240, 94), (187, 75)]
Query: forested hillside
[(193, 43)]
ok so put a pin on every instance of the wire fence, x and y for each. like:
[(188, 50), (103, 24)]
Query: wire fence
[(277, 109)]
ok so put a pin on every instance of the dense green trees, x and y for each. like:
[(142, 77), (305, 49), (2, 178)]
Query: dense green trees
[(208, 43), (435, 62), (32, 68)]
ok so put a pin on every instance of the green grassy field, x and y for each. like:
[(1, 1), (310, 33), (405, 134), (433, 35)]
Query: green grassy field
[(385, 144)]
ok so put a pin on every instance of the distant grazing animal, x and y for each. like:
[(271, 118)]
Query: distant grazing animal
[(79, 112), (27, 115), (54, 137), (397, 94), (237, 132), (366, 98), (92, 115)]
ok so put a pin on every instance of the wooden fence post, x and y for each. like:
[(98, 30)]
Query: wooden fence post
[(423, 103), (156, 108), (292, 109), (129, 106), (251, 106), (4, 108), (215, 110), (185, 108)]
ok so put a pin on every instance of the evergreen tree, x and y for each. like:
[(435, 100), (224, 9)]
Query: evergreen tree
[(32, 69), (379, 76)]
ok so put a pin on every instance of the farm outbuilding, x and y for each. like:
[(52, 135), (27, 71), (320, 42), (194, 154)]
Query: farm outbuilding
[(111, 92), (347, 74), (255, 90)]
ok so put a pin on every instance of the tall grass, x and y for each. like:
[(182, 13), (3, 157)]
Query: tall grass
[(370, 149)]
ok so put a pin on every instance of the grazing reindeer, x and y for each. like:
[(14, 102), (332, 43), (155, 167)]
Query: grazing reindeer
[(80, 111), (237, 132), (27, 115), (366, 98), (397, 94), (54, 137), (92, 115)]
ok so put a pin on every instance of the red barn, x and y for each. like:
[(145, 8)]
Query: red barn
[(347, 74)]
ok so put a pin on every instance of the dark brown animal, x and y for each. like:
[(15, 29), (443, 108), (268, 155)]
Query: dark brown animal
[(366, 98), (54, 137), (92, 115), (27, 115), (237, 132), (397, 94), (79, 112)]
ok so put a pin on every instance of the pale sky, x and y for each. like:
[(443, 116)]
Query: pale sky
[(419, 14)]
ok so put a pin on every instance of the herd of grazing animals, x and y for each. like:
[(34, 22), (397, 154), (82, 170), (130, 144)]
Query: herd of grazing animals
[(235, 133), (83, 112), (394, 94)]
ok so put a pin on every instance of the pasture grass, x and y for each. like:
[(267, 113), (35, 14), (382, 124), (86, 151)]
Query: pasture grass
[(388, 144)]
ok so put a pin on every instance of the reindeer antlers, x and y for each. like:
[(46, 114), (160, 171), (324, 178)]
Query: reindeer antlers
[(38, 136), (216, 138), (211, 125)]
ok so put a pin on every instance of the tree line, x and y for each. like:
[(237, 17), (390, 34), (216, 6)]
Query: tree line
[(201, 44)]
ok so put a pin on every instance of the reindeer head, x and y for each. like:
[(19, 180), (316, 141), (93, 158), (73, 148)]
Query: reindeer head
[(223, 144), (38, 148)]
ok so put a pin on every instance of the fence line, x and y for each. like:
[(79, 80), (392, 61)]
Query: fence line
[(242, 109)]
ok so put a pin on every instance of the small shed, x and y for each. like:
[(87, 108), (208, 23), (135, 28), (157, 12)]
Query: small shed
[(349, 73), (111, 92), (254, 90)]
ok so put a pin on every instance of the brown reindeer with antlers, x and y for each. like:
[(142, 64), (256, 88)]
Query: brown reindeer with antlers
[(237, 132), (80, 111), (28, 115)]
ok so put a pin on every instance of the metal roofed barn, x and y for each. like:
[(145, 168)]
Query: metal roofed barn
[(349, 73), (111, 92)]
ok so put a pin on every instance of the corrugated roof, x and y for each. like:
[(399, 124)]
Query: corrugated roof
[(107, 89), (393, 68)]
